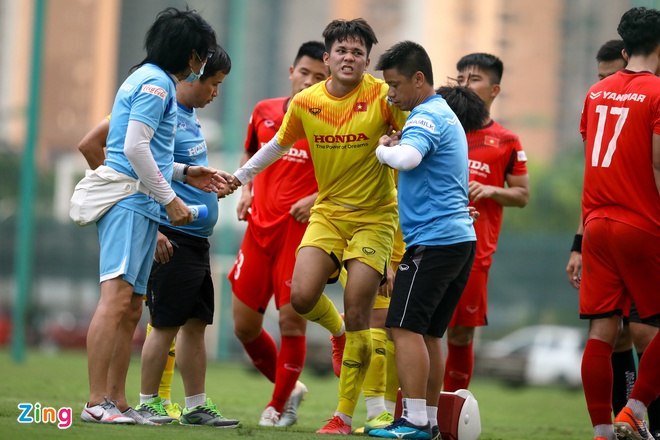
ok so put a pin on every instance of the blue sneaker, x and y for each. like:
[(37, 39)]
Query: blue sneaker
[(402, 428)]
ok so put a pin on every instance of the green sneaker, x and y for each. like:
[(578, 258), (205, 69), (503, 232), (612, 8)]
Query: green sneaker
[(380, 421), (153, 411), (206, 415)]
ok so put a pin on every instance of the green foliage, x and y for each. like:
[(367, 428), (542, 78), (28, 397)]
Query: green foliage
[(61, 381), (555, 196)]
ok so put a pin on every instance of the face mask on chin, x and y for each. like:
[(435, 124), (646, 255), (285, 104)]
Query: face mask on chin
[(195, 76)]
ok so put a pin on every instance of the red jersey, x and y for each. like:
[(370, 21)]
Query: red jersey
[(286, 181), (620, 115), (493, 153)]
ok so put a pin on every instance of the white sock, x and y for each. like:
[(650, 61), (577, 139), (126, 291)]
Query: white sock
[(375, 406), (638, 408), (196, 400), (414, 410), (144, 398), (346, 418), (432, 414), (390, 406), (341, 331)]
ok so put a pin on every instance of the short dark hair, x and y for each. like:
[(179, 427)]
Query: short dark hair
[(469, 108), (407, 58), (341, 30), (312, 49), (174, 35), (640, 30), (610, 51), (486, 62), (219, 62)]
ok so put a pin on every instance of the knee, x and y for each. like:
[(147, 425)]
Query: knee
[(460, 336), (299, 302), (291, 323)]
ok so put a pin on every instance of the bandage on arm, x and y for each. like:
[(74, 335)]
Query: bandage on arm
[(400, 157), (138, 153), (266, 155)]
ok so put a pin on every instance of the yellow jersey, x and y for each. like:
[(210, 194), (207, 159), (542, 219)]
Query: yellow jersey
[(343, 134)]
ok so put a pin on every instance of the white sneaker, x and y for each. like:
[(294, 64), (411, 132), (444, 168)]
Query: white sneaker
[(139, 419), (290, 413), (269, 417), (105, 412)]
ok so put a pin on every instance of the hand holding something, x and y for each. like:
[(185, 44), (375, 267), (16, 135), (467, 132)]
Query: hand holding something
[(178, 212), (205, 178)]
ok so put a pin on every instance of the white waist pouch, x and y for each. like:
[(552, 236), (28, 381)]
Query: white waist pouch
[(98, 191)]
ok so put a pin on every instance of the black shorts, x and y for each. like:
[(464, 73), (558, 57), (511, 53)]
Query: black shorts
[(428, 285), (181, 288), (635, 318)]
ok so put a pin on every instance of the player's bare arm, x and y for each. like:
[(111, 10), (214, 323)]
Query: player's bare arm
[(574, 267), (245, 201), (92, 145), (516, 193)]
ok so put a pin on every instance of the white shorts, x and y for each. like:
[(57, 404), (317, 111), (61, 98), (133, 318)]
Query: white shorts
[(128, 243)]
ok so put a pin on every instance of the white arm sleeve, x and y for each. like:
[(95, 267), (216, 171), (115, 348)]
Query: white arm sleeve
[(399, 157), (266, 155), (138, 153)]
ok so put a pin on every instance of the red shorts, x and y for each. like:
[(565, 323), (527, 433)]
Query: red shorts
[(472, 308), (620, 263), (264, 265)]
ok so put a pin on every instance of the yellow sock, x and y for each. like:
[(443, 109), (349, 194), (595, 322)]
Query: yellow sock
[(391, 381), (374, 381), (325, 313), (165, 387), (357, 357)]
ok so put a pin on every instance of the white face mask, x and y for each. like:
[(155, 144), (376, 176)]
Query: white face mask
[(195, 76)]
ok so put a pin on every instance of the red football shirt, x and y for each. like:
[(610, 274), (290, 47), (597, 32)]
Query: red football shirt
[(287, 180), (620, 115), (493, 152)]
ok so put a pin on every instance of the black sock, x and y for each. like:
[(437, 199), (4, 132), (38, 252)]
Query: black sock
[(624, 375), (653, 410)]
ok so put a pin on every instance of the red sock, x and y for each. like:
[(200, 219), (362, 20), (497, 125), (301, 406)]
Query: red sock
[(647, 387), (263, 353), (597, 381), (458, 367), (290, 362)]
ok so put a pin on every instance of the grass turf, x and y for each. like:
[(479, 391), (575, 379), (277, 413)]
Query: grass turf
[(61, 381)]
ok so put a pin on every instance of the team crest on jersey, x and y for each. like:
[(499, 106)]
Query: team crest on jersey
[(315, 110), (183, 126), (154, 90), (360, 107), (522, 157), (421, 123)]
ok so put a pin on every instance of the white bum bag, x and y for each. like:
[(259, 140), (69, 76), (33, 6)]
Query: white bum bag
[(98, 191)]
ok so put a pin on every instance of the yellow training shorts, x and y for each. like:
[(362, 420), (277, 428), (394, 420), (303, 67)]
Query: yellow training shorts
[(345, 233)]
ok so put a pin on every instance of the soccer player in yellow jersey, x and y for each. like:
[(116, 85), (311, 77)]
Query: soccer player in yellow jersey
[(355, 216)]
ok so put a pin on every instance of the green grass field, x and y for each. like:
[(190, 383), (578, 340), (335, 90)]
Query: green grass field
[(61, 381)]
